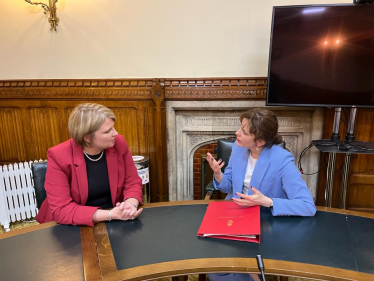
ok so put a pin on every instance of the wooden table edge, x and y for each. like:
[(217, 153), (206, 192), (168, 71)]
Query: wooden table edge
[(91, 267), (234, 265)]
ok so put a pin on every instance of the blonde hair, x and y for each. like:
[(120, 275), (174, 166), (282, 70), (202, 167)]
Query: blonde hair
[(86, 119)]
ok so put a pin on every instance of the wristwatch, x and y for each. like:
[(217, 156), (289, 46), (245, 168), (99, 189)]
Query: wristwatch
[(271, 204)]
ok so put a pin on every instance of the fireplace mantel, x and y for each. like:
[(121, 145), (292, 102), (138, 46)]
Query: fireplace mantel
[(191, 124)]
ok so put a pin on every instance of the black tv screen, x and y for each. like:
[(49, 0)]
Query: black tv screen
[(322, 55)]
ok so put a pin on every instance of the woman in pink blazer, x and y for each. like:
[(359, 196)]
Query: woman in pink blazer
[(90, 172)]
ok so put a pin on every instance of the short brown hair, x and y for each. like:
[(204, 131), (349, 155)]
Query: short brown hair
[(86, 119), (263, 124)]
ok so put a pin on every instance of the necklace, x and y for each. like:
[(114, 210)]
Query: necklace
[(89, 158)]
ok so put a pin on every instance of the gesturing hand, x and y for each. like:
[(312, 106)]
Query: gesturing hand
[(252, 200), (216, 166)]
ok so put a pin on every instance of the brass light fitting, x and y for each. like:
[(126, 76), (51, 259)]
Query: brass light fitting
[(51, 9)]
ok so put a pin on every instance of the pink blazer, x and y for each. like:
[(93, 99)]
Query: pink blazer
[(66, 182)]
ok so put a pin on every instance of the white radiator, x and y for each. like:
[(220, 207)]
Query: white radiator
[(17, 195)]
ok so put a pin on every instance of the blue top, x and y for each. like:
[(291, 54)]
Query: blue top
[(275, 175)]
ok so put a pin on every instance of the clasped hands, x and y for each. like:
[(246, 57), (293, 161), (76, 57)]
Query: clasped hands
[(126, 210)]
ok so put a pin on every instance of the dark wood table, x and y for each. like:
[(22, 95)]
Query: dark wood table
[(334, 245)]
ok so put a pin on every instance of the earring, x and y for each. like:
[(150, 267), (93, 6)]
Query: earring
[(257, 148)]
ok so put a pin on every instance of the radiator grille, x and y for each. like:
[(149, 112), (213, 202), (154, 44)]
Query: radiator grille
[(17, 195)]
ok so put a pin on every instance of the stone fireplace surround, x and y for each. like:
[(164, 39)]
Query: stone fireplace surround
[(191, 124)]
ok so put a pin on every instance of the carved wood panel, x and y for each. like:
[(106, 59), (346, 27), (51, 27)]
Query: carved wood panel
[(215, 88)]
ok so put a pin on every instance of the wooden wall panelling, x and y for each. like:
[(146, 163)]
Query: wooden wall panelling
[(127, 125), (26, 135), (360, 193), (64, 115), (45, 129), (147, 144), (36, 114), (12, 145)]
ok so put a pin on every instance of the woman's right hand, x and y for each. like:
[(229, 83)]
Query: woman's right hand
[(216, 166)]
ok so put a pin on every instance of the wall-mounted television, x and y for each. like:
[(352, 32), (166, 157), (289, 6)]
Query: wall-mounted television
[(322, 55)]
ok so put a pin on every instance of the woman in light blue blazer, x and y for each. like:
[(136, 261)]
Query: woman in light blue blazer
[(261, 173)]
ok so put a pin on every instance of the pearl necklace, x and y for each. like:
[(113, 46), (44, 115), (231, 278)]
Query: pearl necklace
[(89, 158)]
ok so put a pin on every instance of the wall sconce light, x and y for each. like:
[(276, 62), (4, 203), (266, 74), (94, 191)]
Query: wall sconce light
[(51, 9)]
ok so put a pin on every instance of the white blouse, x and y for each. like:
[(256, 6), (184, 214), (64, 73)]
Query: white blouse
[(248, 173)]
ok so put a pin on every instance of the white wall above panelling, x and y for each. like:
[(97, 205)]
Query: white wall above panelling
[(138, 38)]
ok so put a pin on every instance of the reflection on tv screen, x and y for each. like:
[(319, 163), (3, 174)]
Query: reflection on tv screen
[(322, 56)]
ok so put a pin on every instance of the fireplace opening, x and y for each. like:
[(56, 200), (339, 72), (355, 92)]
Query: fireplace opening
[(203, 174)]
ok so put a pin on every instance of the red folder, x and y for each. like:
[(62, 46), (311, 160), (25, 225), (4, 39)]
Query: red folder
[(227, 220)]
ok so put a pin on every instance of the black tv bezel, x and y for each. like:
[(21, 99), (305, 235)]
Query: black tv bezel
[(269, 63)]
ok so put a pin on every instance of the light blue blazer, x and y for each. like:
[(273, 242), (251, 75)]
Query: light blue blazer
[(275, 175)]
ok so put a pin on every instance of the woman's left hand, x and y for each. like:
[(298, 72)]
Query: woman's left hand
[(257, 198)]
